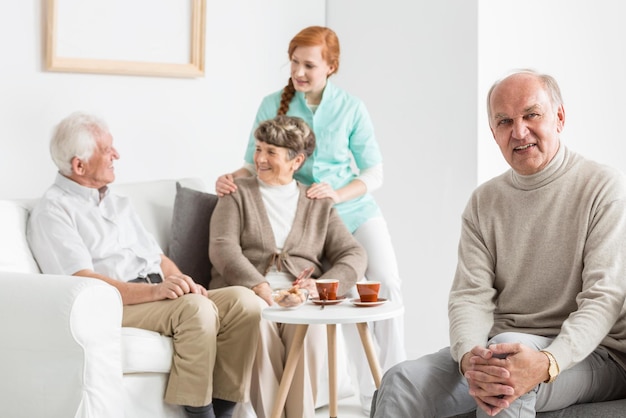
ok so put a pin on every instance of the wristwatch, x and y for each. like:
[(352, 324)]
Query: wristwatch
[(553, 367)]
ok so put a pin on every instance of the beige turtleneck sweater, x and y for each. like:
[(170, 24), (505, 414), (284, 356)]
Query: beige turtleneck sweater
[(544, 254)]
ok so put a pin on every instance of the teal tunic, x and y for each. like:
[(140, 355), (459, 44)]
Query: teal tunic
[(343, 133)]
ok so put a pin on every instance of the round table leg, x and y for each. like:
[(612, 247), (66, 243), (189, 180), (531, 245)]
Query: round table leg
[(290, 368), (368, 345), (331, 333)]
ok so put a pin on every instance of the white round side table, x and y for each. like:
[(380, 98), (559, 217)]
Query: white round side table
[(331, 315)]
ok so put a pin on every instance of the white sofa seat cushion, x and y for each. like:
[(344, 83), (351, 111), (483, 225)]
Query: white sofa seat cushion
[(145, 351)]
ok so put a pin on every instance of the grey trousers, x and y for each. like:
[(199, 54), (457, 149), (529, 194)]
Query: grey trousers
[(432, 386)]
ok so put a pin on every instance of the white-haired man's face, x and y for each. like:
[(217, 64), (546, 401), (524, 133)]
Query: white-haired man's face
[(99, 170), (525, 123)]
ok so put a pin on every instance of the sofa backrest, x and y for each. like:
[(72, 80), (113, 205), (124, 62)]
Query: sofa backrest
[(15, 254), (154, 202), (179, 218)]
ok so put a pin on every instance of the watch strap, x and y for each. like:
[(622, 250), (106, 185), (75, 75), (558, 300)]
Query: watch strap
[(553, 367)]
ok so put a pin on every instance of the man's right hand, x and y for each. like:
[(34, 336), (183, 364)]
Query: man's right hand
[(176, 285), (173, 286)]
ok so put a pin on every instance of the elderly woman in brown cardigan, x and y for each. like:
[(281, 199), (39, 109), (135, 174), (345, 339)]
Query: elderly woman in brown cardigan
[(264, 236)]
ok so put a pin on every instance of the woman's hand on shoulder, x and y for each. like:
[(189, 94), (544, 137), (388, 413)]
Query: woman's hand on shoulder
[(322, 191), (225, 184)]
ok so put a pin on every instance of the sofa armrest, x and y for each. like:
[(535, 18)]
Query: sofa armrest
[(60, 354)]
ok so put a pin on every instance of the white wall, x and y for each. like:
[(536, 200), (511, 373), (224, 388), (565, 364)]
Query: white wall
[(163, 127), (578, 42), (414, 64)]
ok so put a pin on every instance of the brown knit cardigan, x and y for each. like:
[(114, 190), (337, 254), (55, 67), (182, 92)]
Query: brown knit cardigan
[(242, 246)]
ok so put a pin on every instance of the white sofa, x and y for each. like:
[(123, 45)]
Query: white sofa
[(63, 352)]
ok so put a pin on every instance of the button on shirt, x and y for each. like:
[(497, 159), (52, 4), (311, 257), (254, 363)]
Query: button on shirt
[(72, 229)]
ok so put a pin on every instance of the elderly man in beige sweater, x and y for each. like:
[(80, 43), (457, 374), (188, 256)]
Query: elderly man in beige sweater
[(536, 309)]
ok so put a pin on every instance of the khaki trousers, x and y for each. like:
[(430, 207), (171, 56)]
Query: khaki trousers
[(275, 341), (214, 341)]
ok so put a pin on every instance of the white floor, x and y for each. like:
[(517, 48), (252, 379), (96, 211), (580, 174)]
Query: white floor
[(347, 408)]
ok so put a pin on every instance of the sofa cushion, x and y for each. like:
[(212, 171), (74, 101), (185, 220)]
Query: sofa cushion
[(15, 253), (189, 240), (145, 351)]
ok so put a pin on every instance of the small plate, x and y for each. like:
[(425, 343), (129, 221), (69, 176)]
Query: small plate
[(357, 302), (318, 301)]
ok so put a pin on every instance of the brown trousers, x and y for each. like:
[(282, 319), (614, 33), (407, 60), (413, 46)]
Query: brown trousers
[(214, 338)]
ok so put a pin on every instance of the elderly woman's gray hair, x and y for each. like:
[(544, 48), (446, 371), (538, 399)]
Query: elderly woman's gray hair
[(287, 132), (75, 136)]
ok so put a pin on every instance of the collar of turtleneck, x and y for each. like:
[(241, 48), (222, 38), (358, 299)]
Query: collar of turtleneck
[(555, 169)]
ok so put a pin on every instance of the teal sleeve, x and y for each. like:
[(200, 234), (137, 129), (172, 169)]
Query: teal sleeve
[(267, 110), (363, 144)]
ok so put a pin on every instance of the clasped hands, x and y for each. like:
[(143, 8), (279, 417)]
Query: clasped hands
[(501, 373), (176, 285)]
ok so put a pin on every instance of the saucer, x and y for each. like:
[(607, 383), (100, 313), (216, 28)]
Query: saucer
[(318, 301), (357, 302)]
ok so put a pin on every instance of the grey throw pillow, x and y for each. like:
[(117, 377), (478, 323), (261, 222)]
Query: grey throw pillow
[(189, 243)]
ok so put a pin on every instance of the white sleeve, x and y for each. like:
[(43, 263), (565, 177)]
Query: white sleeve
[(55, 242), (372, 177), (250, 167)]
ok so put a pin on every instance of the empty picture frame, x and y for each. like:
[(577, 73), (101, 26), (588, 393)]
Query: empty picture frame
[(129, 37)]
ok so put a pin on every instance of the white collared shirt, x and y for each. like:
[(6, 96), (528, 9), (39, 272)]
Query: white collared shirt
[(72, 229)]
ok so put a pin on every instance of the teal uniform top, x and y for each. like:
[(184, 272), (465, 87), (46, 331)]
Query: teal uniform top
[(344, 136)]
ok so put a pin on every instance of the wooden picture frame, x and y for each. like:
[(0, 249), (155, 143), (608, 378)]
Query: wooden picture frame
[(193, 68)]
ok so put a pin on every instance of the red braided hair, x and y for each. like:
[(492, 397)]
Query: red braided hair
[(311, 36)]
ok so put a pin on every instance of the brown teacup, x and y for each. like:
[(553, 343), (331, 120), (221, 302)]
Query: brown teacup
[(327, 288), (368, 291)]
